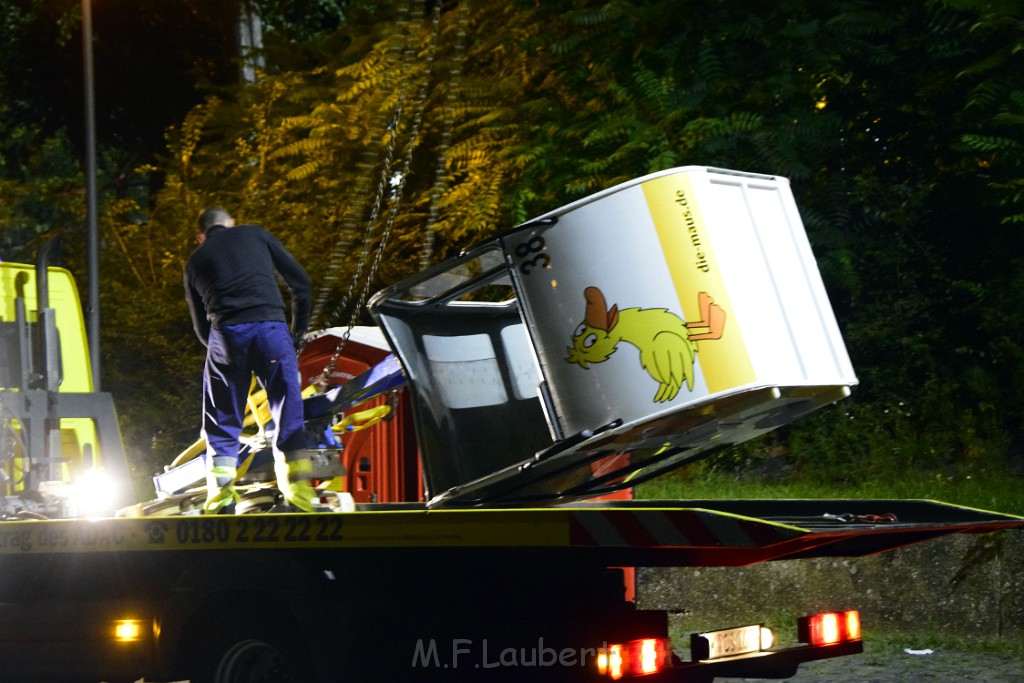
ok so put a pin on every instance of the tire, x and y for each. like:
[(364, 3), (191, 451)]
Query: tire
[(260, 646), (252, 660)]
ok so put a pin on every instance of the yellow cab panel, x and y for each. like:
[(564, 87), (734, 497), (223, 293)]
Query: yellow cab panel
[(78, 435)]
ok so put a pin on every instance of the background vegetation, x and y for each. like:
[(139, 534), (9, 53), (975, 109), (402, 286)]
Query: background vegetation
[(411, 129)]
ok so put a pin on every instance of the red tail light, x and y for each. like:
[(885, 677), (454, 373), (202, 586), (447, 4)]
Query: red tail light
[(635, 658), (830, 628)]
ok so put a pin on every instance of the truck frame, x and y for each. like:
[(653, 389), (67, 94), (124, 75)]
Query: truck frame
[(404, 593)]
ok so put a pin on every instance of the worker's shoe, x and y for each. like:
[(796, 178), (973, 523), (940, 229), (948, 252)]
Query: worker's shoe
[(293, 479), (221, 495)]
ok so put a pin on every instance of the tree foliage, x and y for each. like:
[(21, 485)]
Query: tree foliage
[(406, 130)]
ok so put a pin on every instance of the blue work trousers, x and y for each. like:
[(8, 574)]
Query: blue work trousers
[(233, 354)]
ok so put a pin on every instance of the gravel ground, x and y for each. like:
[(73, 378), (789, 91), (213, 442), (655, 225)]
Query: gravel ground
[(890, 664)]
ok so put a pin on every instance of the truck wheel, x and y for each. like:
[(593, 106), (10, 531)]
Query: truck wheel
[(254, 661), (260, 647)]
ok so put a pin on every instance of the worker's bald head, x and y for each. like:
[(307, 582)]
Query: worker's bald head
[(214, 216)]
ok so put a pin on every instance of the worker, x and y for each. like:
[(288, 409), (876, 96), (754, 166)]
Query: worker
[(238, 313)]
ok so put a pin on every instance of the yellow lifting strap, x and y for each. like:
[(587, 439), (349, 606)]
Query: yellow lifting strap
[(363, 419), (257, 412)]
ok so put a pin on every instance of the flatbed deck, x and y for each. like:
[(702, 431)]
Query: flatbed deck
[(624, 533)]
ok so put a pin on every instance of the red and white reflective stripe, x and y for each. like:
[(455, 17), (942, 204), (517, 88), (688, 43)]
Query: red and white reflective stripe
[(671, 528)]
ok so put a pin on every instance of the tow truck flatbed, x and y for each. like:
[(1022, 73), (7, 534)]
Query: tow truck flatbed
[(633, 532), (526, 578)]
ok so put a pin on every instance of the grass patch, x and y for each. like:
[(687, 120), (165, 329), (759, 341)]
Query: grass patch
[(896, 641)]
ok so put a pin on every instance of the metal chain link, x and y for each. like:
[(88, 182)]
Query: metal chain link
[(347, 232), (386, 178), (361, 191), (440, 183)]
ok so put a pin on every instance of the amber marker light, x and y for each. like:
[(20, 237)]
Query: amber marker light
[(609, 662), (127, 630), (615, 662)]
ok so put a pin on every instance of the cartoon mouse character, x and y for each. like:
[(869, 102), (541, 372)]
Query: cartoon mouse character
[(667, 344)]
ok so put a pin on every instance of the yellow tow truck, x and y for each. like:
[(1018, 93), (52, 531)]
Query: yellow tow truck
[(54, 426), (541, 371)]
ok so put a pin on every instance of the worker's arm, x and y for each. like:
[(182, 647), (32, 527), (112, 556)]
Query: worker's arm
[(197, 310), (298, 284)]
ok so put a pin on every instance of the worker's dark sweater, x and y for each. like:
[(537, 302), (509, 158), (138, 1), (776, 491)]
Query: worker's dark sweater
[(229, 280)]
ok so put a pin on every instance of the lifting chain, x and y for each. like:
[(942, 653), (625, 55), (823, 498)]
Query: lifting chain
[(361, 191), (341, 247), (387, 178), (440, 184)]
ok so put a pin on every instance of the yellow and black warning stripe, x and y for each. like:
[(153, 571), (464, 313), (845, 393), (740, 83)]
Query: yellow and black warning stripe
[(341, 530), (552, 527)]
